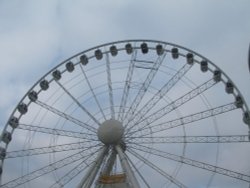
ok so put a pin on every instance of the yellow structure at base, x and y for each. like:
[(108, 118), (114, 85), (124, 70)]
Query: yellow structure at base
[(112, 179)]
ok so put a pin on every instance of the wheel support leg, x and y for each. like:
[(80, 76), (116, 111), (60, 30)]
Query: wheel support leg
[(88, 179), (126, 167)]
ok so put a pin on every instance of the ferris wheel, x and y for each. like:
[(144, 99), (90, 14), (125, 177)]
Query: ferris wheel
[(129, 114)]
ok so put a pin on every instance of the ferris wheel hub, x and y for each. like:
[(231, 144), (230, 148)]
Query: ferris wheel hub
[(110, 132)]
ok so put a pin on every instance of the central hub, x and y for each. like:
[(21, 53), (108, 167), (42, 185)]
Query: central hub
[(110, 132)]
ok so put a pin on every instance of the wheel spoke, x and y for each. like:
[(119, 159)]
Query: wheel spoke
[(74, 172), (49, 149), (59, 132), (191, 162), (157, 169), (78, 103), (191, 139), (111, 98), (184, 120), (110, 162), (177, 103), (144, 87), (49, 168), (137, 170), (158, 96), (126, 167), (88, 179), (66, 116), (71, 174), (92, 91), (127, 85)]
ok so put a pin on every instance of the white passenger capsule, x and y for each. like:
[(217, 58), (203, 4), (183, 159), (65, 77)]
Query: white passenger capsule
[(6, 137), (217, 75), (204, 66), (113, 50), (84, 59), (144, 48), (229, 87), (33, 96), (44, 84), (13, 122), (98, 54), (246, 118), (1, 168), (159, 49), (238, 101), (175, 53), (2, 153), (57, 75), (70, 66), (22, 108), (190, 58), (129, 48)]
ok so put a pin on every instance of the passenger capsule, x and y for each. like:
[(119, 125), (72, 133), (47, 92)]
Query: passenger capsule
[(129, 48), (238, 101), (229, 87), (159, 49), (84, 59), (98, 54), (2, 153), (113, 50), (44, 84), (57, 75), (144, 48), (175, 53), (70, 66), (190, 58), (13, 122), (204, 66), (217, 75), (6, 137), (22, 108), (33, 96), (246, 118)]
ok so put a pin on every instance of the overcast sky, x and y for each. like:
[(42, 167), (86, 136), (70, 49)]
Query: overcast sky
[(37, 35)]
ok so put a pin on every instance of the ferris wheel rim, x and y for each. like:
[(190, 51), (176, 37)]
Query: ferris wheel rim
[(225, 79)]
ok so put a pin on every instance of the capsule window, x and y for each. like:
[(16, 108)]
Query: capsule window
[(98, 54), (70, 67), (33, 96), (144, 48), (175, 53), (129, 48), (84, 59), (113, 50), (44, 84)]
